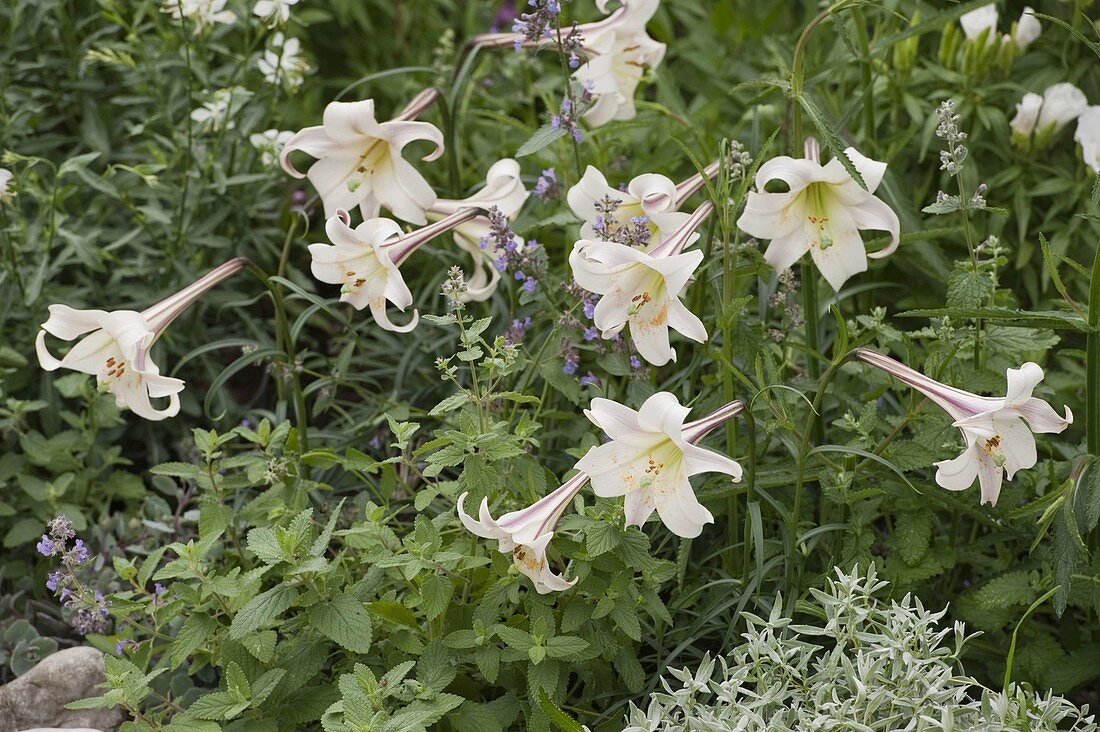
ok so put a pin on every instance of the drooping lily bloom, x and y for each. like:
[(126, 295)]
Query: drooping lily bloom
[(115, 347), (504, 189), (650, 457), (650, 198), (997, 438), (365, 260), (1039, 118), (822, 213), (1027, 29), (618, 50), (642, 288), (980, 21), (359, 160), (525, 534)]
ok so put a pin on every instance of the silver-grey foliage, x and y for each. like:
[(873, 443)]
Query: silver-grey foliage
[(869, 666)]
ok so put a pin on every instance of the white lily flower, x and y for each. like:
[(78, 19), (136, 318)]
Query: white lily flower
[(283, 62), (1027, 117), (115, 347), (6, 192), (202, 12), (650, 196), (979, 21), (504, 189), (642, 288), (823, 213), (1027, 29), (651, 456), (359, 160), (997, 438), (526, 533), (273, 12), (618, 52), (366, 261), (1088, 136)]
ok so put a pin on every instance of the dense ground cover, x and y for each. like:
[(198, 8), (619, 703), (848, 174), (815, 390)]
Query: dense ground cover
[(409, 266)]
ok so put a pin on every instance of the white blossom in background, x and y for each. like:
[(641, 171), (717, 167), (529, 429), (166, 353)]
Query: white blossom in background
[(219, 111), (1027, 30), (273, 12), (503, 189), (1062, 103), (366, 262), (359, 160), (202, 12), (6, 192), (822, 213), (979, 21), (997, 430), (1088, 136), (1027, 117), (270, 144), (283, 62), (114, 346), (651, 456)]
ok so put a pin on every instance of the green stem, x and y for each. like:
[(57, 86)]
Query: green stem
[(797, 77), (1092, 362), (868, 81), (793, 517), (809, 312), (750, 487)]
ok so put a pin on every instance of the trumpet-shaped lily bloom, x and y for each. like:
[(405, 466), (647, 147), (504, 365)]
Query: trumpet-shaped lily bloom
[(618, 52), (651, 456), (525, 534), (651, 198), (359, 161), (115, 347), (979, 21), (1027, 29), (642, 288), (822, 213), (503, 189), (366, 261), (997, 431)]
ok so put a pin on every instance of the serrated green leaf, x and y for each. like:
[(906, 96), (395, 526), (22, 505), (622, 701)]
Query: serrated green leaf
[(344, 620)]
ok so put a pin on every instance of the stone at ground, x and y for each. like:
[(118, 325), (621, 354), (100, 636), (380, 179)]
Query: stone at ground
[(37, 699)]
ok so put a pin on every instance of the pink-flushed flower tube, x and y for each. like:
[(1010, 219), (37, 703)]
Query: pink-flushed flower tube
[(366, 261), (997, 430), (115, 345), (641, 288), (359, 161), (526, 533)]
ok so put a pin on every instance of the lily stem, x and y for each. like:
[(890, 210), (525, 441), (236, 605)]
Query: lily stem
[(810, 313), (1092, 363)]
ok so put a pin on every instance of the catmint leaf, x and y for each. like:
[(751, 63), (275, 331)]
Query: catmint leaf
[(217, 705), (567, 648), (912, 534), (601, 537), (436, 594), (543, 136), (262, 610), (560, 719), (261, 645), (343, 619), (265, 545), (192, 635), (968, 288)]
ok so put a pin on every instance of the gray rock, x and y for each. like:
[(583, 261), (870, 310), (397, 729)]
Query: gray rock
[(37, 699)]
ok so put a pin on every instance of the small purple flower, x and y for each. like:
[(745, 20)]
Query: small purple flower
[(54, 580), (46, 546), (590, 379), (78, 554), (517, 331), (572, 362), (530, 284), (635, 363), (547, 187), (61, 529), (376, 442), (591, 333)]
